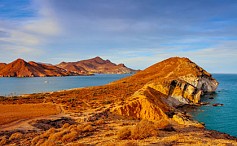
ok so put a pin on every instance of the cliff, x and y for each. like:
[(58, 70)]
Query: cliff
[(164, 86), (21, 68), (96, 65)]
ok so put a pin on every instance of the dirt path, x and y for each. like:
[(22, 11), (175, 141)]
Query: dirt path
[(23, 124)]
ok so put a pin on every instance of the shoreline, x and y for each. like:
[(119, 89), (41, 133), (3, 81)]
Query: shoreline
[(183, 108)]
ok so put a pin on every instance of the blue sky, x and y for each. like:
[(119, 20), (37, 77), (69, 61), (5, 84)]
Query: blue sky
[(138, 33)]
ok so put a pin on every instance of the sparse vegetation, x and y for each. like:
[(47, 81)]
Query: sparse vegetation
[(142, 130), (3, 140), (124, 133), (16, 135)]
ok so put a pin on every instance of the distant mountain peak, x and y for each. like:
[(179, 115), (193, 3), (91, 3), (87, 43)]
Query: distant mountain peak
[(21, 68), (96, 65)]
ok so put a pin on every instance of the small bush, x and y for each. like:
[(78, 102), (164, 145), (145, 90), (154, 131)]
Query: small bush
[(3, 140), (128, 144), (161, 124), (99, 122), (40, 142), (16, 135), (48, 133), (88, 128), (77, 144), (57, 136), (124, 133), (144, 129), (70, 136), (35, 140), (66, 125)]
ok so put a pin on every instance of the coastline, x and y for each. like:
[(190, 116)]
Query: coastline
[(139, 109), (165, 135)]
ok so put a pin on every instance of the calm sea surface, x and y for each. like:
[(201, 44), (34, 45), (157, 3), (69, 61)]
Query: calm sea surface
[(17, 86), (222, 118)]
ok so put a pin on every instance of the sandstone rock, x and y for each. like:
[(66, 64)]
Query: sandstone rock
[(166, 85), (146, 103)]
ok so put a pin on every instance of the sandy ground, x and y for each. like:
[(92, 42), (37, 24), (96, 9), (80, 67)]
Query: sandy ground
[(17, 116)]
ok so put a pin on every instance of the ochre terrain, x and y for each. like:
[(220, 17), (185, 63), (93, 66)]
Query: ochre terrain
[(14, 112), (137, 110)]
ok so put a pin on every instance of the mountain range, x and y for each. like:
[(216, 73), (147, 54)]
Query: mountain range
[(21, 68)]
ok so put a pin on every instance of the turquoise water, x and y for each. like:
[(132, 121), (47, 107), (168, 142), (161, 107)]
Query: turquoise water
[(220, 118), (17, 86)]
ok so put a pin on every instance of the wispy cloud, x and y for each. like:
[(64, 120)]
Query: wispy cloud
[(137, 33)]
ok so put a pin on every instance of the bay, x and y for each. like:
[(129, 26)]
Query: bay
[(16, 86)]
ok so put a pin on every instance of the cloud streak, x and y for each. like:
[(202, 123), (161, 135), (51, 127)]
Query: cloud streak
[(123, 31)]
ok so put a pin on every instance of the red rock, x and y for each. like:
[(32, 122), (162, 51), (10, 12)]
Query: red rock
[(96, 65), (21, 68)]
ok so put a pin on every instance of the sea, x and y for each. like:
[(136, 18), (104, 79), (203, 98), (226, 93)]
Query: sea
[(17, 86), (220, 118)]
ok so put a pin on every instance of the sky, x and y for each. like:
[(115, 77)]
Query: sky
[(137, 33)]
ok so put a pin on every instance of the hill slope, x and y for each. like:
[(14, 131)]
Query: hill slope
[(2, 65), (96, 65), (21, 68)]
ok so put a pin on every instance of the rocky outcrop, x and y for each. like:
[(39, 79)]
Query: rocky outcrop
[(166, 85), (146, 103), (96, 65)]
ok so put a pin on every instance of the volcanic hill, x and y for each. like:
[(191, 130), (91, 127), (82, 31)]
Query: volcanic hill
[(2, 65), (138, 110), (96, 65), (21, 68)]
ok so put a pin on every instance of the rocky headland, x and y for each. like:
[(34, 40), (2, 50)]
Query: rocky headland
[(21, 68), (141, 109)]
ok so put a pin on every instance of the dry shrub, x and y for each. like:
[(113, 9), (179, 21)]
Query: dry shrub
[(35, 140), (88, 128), (3, 140), (81, 127), (48, 133), (66, 125), (161, 124), (57, 136), (69, 137), (40, 142), (100, 121), (144, 129), (77, 144), (124, 133), (16, 135), (128, 144), (72, 127), (109, 144)]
